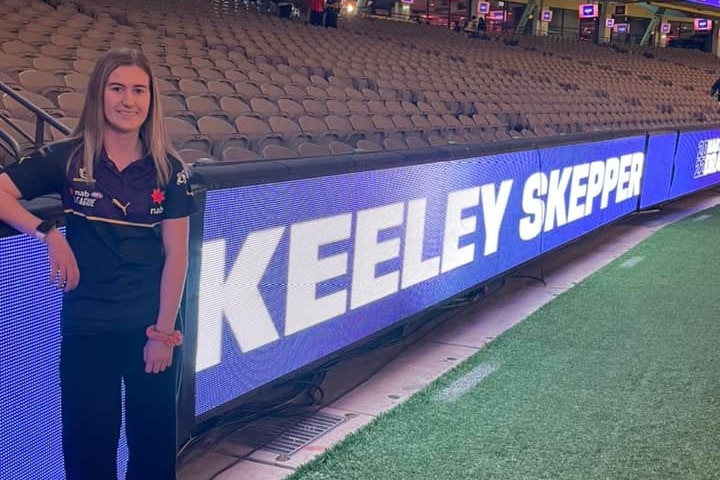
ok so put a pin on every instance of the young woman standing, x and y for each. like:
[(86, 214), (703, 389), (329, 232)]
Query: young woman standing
[(121, 266)]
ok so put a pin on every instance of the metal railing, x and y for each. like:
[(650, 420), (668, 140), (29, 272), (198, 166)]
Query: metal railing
[(9, 142)]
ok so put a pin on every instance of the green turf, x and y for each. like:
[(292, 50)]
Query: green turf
[(619, 378)]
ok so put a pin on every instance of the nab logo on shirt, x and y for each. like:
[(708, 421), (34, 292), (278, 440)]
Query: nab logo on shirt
[(85, 198), (158, 197)]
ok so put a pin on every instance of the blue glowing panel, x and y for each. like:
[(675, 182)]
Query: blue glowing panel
[(294, 271), (659, 159), (587, 185), (697, 162), (708, 3), (30, 424), (702, 24), (587, 10), (29, 352)]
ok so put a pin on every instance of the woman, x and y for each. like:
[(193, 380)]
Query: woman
[(121, 266)]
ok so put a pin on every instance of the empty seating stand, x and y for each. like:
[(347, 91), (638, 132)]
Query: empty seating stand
[(240, 85)]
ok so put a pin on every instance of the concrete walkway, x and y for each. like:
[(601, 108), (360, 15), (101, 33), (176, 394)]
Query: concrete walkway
[(360, 389)]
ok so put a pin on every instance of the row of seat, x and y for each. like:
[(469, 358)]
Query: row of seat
[(216, 66)]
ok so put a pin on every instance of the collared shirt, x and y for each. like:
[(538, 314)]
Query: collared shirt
[(113, 227)]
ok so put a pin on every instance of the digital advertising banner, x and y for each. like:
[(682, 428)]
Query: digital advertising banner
[(697, 162), (588, 186), (659, 164), (292, 272)]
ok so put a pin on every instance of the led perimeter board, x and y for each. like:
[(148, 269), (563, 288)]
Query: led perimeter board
[(294, 271)]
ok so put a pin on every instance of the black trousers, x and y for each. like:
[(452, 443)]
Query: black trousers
[(316, 18), (91, 370)]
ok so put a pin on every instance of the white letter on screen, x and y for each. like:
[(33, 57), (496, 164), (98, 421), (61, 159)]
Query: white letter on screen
[(366, 287), (494, 212), (578, 190), (636, 173), (456, 226), (623, 185), (236, 297), (306, 270), (595, 184), (612, 168), (415, 269), (555, 208), (535, 187)]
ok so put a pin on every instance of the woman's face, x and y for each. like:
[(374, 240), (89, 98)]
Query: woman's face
[(126, 99)]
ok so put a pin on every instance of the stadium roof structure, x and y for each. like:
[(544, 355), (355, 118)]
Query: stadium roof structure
[(701, 8)]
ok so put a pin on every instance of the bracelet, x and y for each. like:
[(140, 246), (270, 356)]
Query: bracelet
[(170, 340)]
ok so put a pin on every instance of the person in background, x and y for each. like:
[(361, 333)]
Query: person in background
[(471, 29), (121, 267), (316, 10), (332, 11)]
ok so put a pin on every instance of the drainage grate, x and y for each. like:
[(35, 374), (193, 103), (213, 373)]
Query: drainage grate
[(303, 433)]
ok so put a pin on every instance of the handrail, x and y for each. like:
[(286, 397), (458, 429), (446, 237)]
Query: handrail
[(9, 144), (41, 116)]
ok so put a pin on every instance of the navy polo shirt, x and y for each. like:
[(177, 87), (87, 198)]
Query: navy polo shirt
[(113, 228)]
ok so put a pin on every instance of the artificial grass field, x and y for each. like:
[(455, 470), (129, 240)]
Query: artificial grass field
[(618, 378)]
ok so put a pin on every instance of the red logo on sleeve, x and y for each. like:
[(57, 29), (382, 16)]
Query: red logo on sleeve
[(157, 196)]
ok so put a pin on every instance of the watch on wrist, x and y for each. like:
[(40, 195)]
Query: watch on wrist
[(43, 229)]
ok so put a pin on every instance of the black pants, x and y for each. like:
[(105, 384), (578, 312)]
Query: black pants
[(331, 17), (91, 370), (316, 18)]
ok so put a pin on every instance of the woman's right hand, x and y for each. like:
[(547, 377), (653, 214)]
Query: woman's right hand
[(64, 271)]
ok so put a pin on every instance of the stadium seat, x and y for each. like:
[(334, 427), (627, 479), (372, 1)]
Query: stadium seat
[(278, 152), (238, 154), (307, 149), (222, 134), (184, 135), (257, 131)]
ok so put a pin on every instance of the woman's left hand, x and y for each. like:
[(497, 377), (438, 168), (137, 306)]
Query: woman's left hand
[(157, 356)]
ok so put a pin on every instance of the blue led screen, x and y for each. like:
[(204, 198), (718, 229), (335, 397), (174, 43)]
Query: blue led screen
[(707, 3), (600, 182), (29, 352), (697, 162), (30, 424), (294, 271), (659, 161)]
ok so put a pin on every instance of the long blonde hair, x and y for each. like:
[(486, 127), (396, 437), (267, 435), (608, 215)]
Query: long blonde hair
[(91, 124)]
